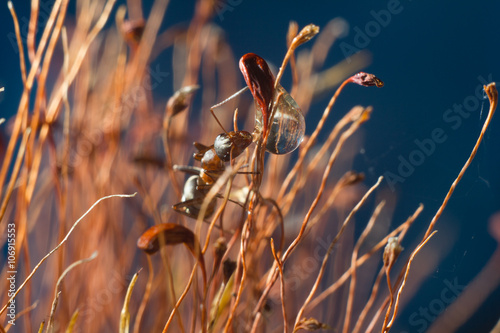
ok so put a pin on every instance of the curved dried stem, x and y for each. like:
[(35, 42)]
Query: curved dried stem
[(387, 327), (340, 281), (347, 179), (310, 141), (354, 258), (492, 93), (169, 163), (30, 40), (50, 324), (125, 313), (351, 116), (282, 287), (22, 111), (15, 173), (371, 300), (304, 35), (330, 249), (35, 269), (333, 158), (145, 297), (19, 315), (181, 298), (53, 108), (19, 41), (243, 268)]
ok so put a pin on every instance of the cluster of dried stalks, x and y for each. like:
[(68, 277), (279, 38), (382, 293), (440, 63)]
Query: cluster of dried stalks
[(97, 130)]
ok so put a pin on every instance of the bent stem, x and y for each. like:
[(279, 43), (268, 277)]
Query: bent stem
[(492, 93), (407, 270), (332, 288), (354, 258), (61, 244), (330, 249), (273, 273)]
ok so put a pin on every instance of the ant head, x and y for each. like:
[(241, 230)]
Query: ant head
[(232, 144)]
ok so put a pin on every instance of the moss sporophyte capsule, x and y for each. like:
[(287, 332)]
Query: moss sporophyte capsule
[(277, 113)]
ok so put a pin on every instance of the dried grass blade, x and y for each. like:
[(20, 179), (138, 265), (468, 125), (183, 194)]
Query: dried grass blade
[(15, 172), (19, 41), (354, 258), (330, 249), (396, 304), (492, 93), (50, 324), (72, 321), (125, 314), (145, 297), (19, 315), (331, 289), (61, 244)]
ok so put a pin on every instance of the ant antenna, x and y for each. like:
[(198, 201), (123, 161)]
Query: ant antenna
[(230, 98), (224, 102), (218, 122)]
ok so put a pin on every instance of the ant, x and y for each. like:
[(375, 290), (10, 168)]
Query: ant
[(227, 147), (278, 118), (198, 185)]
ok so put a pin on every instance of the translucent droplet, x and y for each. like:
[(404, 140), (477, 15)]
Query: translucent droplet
[(288, 126)]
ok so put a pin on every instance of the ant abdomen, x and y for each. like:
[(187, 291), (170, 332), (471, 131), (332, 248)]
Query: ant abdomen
[(230, 145)]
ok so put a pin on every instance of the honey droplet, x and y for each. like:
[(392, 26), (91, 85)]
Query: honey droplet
[(288, 126)]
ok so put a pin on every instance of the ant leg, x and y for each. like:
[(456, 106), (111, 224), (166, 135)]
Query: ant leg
[(191, 208), (183, 206), (188, 169)]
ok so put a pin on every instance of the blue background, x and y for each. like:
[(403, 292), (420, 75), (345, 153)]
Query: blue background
[(430, 56)]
